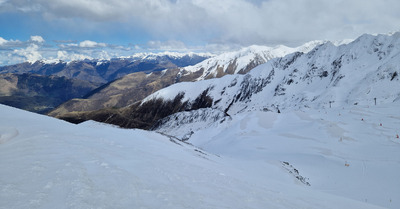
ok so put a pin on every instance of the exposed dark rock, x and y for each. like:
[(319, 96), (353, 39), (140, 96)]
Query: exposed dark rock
[(394, 75)]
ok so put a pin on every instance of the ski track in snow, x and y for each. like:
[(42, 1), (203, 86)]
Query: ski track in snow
[(7, 133)]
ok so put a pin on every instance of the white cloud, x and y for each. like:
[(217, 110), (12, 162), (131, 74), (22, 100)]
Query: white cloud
[(3, 41), (37, 39), (65, 56), (69, 45), (171, 45), (11, 44), (62, 55), (220, 48), (32, 50), (30, 54), (91, 44), (228, 21), (3, 1), (218, 26)]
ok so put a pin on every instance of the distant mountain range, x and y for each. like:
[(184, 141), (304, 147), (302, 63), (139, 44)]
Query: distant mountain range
[(35, 87), (136, 86), (361, 72), (104, 71)]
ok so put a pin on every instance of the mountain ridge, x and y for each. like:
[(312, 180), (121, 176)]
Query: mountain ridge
[(104, 71), (96, 72), (364, 72), (328, 74), (137, 86), (243, 60)]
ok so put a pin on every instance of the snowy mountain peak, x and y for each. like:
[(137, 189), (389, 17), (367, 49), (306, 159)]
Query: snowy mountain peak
[(175, 55), (137, 56), (361, 72), (243, 60)]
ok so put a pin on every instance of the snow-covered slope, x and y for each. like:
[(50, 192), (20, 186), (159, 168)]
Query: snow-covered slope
[(329, 75), (136, 86), (351, 152), (48, 163), (242, 61), (243, 153), (331, 116)]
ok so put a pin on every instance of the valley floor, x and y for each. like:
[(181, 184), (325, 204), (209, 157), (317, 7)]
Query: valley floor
[(331, 158)]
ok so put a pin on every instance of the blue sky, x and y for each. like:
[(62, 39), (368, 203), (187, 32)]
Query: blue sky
[(22, 25), (109, 28)]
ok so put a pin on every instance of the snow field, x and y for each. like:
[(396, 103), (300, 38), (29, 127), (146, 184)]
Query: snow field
[(309, 156), (53, 164), (337, 151)]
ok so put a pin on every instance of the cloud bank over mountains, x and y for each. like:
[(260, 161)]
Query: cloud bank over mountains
[(108, 27), (37, 48)]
